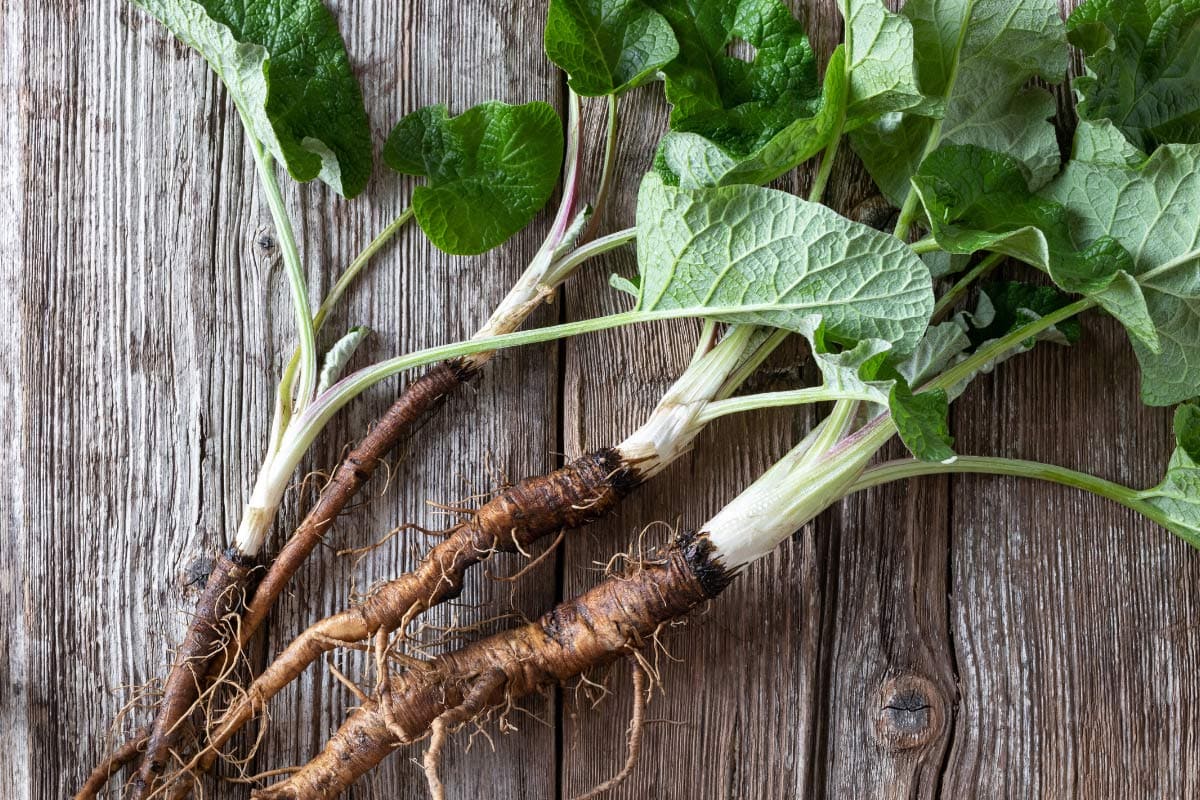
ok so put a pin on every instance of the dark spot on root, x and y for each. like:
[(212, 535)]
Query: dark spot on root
[(624, 477), (708, 570), (462, 370), (240, 559)]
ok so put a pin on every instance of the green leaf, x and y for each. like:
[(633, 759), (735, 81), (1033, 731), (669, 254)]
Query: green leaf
[(339, 356), (286, 69), (695, 161), (974, 60), (734, 108), (976, 199), (607, 46), (1008, 305), (1177, 497), (1143, 70), (860, 369), (923, 422), (745, 254), (880, 63), (1151, 210), (489, 170), (941, 345)]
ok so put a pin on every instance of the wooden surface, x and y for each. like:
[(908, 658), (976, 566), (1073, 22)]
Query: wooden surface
[(966, 637)]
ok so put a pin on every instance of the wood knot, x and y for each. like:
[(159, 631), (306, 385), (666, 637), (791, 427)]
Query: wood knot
[(265, 243), (911, 713)]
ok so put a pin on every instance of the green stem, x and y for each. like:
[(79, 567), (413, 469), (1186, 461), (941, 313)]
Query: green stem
[(356, 266), (908, 211), (947, 301), (795, 397), (559, 271), (296, 277), (926, 245), (705, 343), (976, 361), (753, 362), (834, 428), (821, 179), (610, 146), (911, 468), (305, 427), (284, 392)]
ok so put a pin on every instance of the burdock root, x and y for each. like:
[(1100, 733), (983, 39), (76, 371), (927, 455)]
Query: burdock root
[(206, 635), (203, 652), (570, 497), (616, 618)]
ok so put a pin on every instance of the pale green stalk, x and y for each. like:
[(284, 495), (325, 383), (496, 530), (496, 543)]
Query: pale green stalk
[(296, 278), (795, 397), (911, 468), (282, 414)]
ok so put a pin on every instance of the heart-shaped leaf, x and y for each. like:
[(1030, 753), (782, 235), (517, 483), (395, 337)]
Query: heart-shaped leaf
[(489, 170), (607, 46)]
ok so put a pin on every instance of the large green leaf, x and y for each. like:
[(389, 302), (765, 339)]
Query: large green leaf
[(976, 199), (286, 69), (1177, 497), (695, 161), (607, 46), (1143, 67), (1151, 210), (488, 170), (736, 103), (746, 254), (974, 60), (880, 62)]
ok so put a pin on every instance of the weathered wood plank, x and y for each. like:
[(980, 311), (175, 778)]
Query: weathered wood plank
[(1048, 632), (152, 319), (737, 717)]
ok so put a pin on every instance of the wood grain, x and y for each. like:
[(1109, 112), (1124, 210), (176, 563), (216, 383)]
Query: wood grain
[(966, 637)]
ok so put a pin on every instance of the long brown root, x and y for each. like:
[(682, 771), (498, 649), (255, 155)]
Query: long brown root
[(198, 655), (570, 497), (111, 765), (222, 594), (418, 398), (616, 618)]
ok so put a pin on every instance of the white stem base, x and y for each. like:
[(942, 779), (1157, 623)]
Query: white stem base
[(676, 420)]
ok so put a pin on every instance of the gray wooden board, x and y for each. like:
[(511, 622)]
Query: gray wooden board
[(965, 636)]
